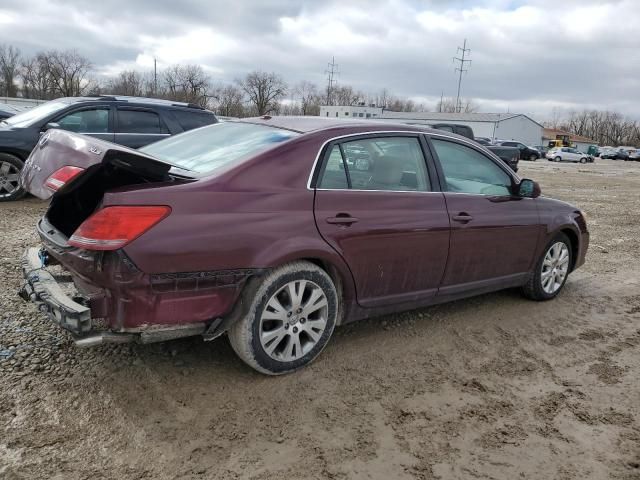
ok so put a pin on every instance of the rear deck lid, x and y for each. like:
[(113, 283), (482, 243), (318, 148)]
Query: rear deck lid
[(58, 149)]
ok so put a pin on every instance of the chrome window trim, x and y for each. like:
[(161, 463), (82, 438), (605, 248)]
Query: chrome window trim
[(322, 147), (471, 143), (149, 134), (381, 191)]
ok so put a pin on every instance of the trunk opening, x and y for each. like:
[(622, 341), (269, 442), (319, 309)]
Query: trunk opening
[(72, 206)]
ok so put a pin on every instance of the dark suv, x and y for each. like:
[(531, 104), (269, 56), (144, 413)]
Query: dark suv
[(130, 121), (526, 153)]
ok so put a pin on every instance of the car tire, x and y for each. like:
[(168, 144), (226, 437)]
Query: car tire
[(273, 337), (10, 168), (538, 286), (583, 160), (557, 159), (533, 157)]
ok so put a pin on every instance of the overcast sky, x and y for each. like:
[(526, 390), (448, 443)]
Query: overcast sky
[(528, 56)]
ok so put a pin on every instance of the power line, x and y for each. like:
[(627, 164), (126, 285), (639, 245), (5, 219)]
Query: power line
[(461, 69), (331, 73)]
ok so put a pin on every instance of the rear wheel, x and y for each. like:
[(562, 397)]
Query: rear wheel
[(289, 321), (551, 271), (583, 160), (533, 157), (10, 167)]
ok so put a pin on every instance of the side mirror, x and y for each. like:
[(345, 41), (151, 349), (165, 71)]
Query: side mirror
[(528, 188), (50, 125)]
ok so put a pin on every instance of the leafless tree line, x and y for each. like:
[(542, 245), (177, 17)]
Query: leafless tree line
[(54, 73), (605, 127)]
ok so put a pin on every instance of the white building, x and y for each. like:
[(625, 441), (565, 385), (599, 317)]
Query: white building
[(351, 111), (496, 126)]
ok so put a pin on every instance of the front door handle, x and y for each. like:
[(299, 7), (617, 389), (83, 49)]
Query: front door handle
[(342, 219), (462, 217)]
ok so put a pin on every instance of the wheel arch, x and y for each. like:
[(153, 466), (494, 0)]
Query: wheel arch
[(333, 265), (575, 244)]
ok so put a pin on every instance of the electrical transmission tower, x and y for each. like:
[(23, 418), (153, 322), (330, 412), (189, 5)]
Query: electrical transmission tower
[(332, 71), (461, 70)]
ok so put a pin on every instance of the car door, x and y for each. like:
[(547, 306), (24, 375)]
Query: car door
[(137, 127), (95, 121), (494, 233), (384, 217)]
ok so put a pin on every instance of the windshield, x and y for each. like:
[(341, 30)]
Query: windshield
[(208, 148), (35, 114)]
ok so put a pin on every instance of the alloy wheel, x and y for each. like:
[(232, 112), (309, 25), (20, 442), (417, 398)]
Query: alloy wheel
[(293, 320), (555, 267), (9, 179)]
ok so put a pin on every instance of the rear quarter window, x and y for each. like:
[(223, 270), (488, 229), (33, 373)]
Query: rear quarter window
[(191, 120)]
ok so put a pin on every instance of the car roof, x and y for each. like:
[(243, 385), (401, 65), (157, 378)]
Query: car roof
[(128, 99), (306, 124)]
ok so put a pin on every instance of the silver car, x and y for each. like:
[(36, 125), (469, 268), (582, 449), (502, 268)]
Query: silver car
[(567, 154)]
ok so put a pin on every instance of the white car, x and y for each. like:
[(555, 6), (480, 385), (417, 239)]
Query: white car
[(566, 154)]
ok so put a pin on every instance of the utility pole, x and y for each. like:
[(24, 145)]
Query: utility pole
[(155, 77), (331, 73), (461, 69)]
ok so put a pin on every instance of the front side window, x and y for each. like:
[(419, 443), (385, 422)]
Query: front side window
[(95, 120), (386, 163), (468, 171), (140, 121)]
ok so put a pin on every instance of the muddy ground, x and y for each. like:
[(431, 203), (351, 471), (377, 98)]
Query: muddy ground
[(492, 387)]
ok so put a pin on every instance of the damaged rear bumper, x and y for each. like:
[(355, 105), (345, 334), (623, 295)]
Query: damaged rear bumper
[(74, 315)]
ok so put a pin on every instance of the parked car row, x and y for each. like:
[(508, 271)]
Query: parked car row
[(130, 121), (568, 154)]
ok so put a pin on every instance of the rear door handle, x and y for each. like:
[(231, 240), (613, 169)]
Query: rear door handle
[(342, 219), (462, 217)]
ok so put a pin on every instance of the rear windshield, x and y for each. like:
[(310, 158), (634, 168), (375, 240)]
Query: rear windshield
[(208, 148)]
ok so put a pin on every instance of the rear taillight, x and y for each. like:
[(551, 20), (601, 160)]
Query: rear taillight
[(113, 227), (62, 176)]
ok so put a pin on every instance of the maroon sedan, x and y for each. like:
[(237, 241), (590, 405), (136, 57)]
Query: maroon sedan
[(275, 230)]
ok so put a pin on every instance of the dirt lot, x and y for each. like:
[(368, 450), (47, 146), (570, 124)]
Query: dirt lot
[(492, 387)]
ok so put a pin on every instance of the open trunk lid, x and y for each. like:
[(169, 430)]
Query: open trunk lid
[(57, 149)]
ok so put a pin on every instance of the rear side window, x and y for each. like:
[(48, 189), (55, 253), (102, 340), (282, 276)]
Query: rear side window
[(334, 176), (386, 163), (140, 121), (191, 120)]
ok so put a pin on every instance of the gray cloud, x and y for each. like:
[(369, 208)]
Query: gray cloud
[(527, 56)]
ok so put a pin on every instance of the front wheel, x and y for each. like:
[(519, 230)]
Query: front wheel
[(557, 159), (10, 167), (551, 270), (289, 320), (533, 157)]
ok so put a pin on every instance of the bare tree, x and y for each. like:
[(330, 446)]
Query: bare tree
[(68, 71), (448, 105), (346, 95), (187, 83), (309, 97), (228, 101), (264, 90), (9, 69), (128, 82), (36, 80)]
